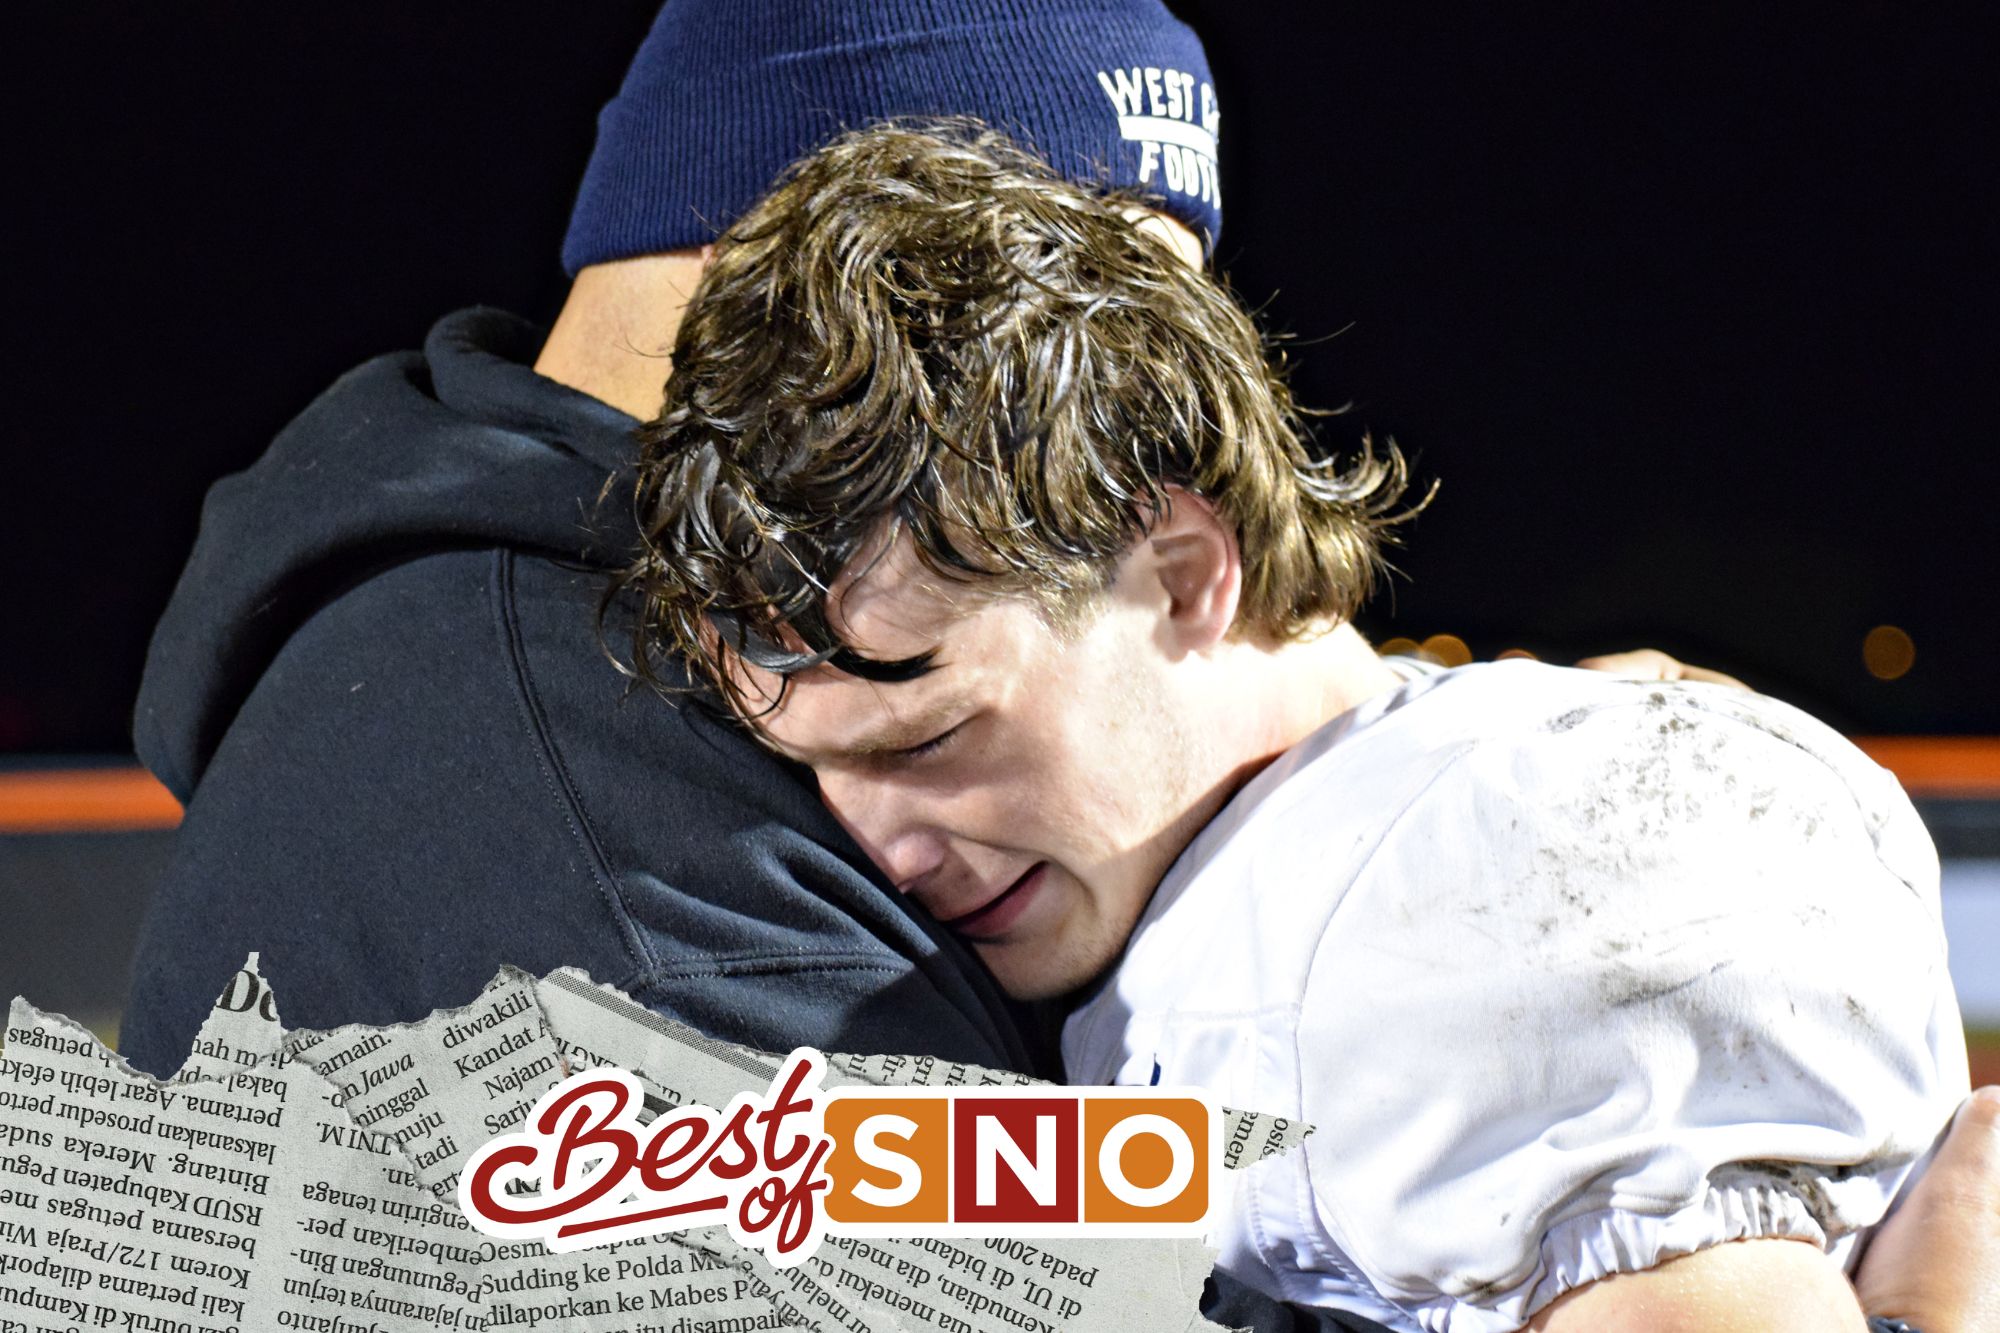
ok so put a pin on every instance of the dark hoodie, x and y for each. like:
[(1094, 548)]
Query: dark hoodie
[(406, 760)]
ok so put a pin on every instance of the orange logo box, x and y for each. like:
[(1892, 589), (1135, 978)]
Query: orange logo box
[(1020, 1161)]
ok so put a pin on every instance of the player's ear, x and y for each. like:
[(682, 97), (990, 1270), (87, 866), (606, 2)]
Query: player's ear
[(1193, 557)]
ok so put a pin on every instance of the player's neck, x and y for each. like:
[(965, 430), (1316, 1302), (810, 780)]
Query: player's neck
[(1294, 689), (1269, 697), (617, 329)]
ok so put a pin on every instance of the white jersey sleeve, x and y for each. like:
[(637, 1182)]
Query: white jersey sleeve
[(1641, 979)]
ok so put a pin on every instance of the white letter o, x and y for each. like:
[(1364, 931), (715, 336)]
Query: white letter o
[(1111, 1166)]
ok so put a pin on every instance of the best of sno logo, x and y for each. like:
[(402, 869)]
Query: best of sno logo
[(784, 1167), (1174, 118)]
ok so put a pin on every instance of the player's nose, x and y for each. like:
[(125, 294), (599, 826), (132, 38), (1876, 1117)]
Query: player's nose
[(887, 824)]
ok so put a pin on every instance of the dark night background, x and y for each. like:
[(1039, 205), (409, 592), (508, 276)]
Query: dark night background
[(1690, 308)]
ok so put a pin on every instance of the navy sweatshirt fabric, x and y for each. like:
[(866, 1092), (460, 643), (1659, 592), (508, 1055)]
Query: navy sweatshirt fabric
[(406, 761)]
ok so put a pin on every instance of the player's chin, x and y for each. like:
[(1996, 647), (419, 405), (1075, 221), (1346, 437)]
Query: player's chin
[(1029, 969)]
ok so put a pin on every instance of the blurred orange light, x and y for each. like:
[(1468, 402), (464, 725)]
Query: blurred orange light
[(1447, 648), (1521, 653), (1888, 653), (1397, 647)]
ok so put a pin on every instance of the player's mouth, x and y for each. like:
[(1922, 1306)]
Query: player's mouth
[(1003, 910)]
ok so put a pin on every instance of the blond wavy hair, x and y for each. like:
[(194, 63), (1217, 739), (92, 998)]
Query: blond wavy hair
[(923, 330)]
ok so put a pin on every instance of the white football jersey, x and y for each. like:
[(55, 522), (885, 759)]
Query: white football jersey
[(1571, 974)]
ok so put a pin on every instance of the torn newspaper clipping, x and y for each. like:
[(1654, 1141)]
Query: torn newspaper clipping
[(308, 1180)]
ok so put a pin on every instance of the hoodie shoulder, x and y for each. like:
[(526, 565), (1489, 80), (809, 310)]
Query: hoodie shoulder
[(460, 446)]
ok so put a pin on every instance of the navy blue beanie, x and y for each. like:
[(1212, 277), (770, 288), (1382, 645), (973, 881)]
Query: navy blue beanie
[(724, 94)]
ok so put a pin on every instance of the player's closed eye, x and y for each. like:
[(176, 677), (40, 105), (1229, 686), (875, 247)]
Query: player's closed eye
[(924, 749)]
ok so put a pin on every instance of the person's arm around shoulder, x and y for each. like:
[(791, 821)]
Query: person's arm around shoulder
[(1934, 1265), (1745, 1286)]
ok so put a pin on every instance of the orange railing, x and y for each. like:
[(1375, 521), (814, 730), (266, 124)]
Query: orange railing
[(85, 800), (74, 800), (1940, 767)]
